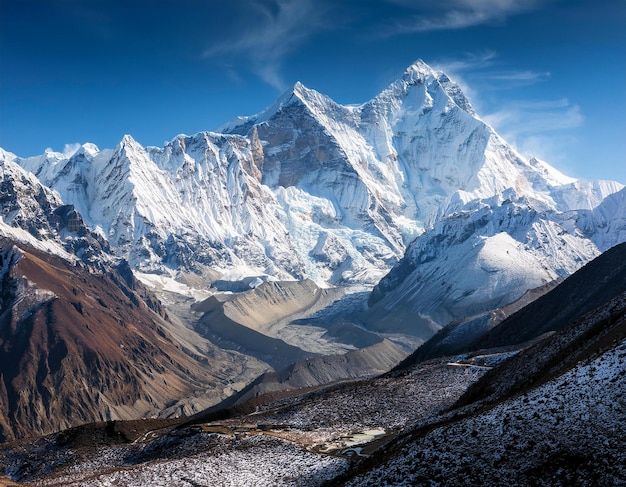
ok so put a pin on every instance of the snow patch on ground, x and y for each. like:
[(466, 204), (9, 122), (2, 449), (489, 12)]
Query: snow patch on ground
[(161, 282), (49, 246), (577, 420)]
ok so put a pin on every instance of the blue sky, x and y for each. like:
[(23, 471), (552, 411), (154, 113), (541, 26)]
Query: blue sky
[(549, 75)]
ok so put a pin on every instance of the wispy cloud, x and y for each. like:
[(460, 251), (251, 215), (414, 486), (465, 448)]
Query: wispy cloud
[(495, 79), (528, 117), (70, 149), (456, 14), (526, 76), (272, 30), (278, 29), (470, 61), (541, 128), (553, 148), (480, 72)]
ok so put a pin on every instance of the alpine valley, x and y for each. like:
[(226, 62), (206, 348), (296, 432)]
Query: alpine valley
[(240, 297)]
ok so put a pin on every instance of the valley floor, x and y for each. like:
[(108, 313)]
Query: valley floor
[(552, 414), (306, 440)]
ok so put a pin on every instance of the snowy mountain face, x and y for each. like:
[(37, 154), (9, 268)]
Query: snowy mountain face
[(313, 189), (31, 212), (504, 246), (196, 202), (606, 223)]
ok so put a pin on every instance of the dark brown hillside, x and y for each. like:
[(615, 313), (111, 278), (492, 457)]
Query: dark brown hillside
[(77, 347)]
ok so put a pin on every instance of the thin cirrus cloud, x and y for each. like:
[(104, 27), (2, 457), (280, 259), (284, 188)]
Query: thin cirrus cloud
[(524, 76), (456, 14), (541, 128), (510, 79), (485, 64), (470, 61), (530, 117), (279, 28)]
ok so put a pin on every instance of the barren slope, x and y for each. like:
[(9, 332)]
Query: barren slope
[(79, 346)]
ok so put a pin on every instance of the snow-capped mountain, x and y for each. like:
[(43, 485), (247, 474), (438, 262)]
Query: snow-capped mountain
[(313, 189), (34, 214), (487, 254), (606, 223), (194, 202)]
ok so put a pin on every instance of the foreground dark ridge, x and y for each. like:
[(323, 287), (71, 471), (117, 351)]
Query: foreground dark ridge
[(553, 414)]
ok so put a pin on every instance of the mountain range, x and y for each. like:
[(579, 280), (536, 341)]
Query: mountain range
[(304, 232), (313, 189)]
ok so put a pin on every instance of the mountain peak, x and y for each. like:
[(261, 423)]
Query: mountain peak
[(129, 147), (421, 73), (300, 92), (297, 92), (86, 151), (418, 73), (419, 69), (298, 87), (128, 140)]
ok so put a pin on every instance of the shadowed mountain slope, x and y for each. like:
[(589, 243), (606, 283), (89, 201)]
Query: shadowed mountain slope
[(552, 414), (551, 309), (459, 336)]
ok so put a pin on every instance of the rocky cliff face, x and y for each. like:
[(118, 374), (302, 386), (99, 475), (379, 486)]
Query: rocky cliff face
[(33, 212)]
